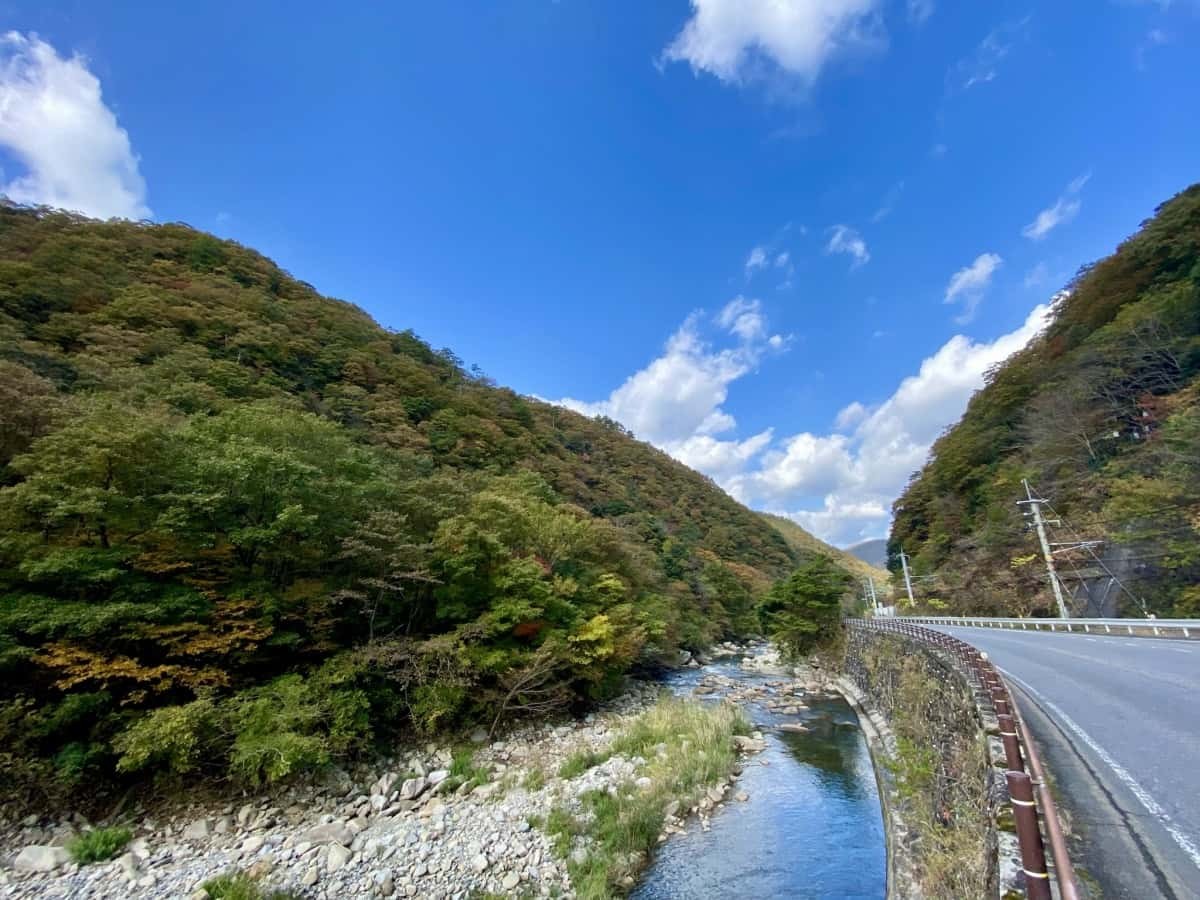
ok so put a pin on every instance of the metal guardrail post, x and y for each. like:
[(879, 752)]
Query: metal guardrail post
[(1033, 854), (1012, 746)]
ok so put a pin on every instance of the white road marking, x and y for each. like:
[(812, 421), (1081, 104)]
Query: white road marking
[(1179, 650), (1151, 805)]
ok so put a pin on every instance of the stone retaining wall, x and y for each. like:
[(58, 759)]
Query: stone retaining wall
[(942, 792)]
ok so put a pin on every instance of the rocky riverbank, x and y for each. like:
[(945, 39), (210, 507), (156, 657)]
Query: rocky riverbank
[(430, 822)]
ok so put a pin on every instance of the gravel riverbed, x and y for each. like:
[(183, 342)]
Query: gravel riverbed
[(396, 828)]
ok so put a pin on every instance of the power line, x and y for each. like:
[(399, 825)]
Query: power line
[(1091, 551)]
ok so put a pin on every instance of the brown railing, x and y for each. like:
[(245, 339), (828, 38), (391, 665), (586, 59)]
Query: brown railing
[(1029, 795)]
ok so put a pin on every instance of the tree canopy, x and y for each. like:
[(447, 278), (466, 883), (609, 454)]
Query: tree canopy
[(244, 529)]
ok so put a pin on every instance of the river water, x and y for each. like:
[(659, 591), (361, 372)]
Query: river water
[(812, 827)]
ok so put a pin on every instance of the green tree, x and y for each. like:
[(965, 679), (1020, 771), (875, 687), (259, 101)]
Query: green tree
[(803, 611)]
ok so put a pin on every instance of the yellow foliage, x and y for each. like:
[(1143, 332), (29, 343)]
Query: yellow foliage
[(79, 666)]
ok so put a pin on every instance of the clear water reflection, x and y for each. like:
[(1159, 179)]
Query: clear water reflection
[(812, 827)]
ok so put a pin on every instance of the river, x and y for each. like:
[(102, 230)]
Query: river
[(812, 827)]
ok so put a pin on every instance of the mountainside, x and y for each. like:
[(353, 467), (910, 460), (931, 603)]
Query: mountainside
[(805, 544), (242, 526), (873, 553), (1102, 415)]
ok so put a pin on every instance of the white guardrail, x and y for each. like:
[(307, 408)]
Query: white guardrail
[(1175, 628)]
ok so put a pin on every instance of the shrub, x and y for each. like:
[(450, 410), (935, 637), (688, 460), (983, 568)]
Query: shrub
[(579, 762), (98, 844), (688, 746), (463, 769), (240, 886), (278, 730), (175, 738)]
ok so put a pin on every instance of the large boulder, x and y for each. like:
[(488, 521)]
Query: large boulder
[(40, 858), (332, 833), (197, 831), (412, 788)]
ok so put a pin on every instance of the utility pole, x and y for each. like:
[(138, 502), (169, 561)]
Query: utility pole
[(1035, 506), (907, 578)]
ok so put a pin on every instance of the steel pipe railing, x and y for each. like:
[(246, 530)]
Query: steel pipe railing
[(1188, 629)]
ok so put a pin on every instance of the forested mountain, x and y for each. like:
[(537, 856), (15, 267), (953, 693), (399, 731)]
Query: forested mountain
[(245, 529), (872, 552), (805, 544), (1102, 415)]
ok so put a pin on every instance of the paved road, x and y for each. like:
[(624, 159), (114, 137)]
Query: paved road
[(1119, 723)]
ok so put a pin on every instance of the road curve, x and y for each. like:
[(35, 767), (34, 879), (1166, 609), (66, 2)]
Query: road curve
[(1119, 723)]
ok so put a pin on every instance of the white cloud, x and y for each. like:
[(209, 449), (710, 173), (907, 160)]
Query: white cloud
[(839, 485), (678, 397), (983, 64), (850, 416), (743, 318), (844, 239), (890, 199), (732, 39), (53, 119), (1064, 210), (1037, 276), (756, 260), (1155, 37), (969, 283), (783, 260), (919, 11)]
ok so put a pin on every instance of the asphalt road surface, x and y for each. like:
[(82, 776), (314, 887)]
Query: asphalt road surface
[(1118, 722)]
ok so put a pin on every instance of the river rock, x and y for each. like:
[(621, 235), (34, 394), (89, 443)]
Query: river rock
[(338, 857), (40, 858), (197, 831), (510, 881), (252, 844), (479, 863), (412, 788), (311, 877), (794, 727), (329, 833), (436, 777), (128, 864)]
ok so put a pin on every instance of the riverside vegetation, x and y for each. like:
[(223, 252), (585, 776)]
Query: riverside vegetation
[(564, 807), (1102, 414), (246, 534)]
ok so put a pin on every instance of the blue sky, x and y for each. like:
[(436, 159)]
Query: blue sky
[(783, 240)]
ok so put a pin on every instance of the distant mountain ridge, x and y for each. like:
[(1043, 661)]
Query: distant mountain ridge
[(806, 544), (873, 552)]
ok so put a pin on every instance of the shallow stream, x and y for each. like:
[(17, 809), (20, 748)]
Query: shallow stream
[(812, 827)]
